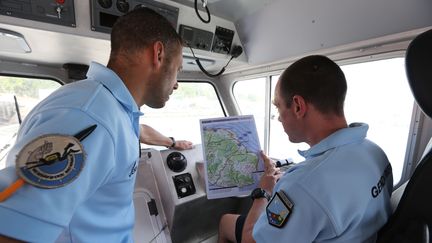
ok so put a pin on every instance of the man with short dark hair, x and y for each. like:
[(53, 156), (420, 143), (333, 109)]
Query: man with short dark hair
[(78, 149), (341, 192)]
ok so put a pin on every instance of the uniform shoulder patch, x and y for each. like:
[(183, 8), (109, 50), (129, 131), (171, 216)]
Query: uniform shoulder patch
[(279, 209), (51, 161)]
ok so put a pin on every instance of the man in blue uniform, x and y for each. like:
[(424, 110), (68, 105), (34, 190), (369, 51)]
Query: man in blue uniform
[(77, 151), (341, 192)]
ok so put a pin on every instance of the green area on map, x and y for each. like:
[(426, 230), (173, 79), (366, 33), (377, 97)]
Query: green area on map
[(229, 163)]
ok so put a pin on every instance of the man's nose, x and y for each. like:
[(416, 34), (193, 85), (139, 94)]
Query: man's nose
[(176, 85)]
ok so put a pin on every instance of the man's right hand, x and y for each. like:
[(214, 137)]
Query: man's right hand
[(271, 174)]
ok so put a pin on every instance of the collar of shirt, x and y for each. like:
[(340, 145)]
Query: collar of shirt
[(355, 132), (114, 84), (118, 89)]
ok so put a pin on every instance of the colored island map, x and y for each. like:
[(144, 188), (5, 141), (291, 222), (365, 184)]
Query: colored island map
[(231, 152)]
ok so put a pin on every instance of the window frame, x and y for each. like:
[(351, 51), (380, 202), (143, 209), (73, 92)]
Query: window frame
[(14, 75)]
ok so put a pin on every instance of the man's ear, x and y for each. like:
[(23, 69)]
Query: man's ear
[(158, 54), (299, 106)]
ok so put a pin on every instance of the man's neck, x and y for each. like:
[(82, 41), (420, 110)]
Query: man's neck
[(324, 126), (132, 76)]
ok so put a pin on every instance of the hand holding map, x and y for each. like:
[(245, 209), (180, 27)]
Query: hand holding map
[(231, 150), (271, 174)]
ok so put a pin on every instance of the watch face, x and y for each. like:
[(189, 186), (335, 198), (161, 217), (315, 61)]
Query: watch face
[(257, 193)]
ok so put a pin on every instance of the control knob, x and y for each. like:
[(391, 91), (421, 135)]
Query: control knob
[(176, 161), (122, 6)]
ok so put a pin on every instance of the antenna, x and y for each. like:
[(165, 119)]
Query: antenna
[(17, 110)]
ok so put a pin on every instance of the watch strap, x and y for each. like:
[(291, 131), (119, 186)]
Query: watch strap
[(173, 142), (260, 193)]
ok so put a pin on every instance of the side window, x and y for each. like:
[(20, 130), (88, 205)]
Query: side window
[(379, 95), (250, 97), (18, 95), (180, 117)]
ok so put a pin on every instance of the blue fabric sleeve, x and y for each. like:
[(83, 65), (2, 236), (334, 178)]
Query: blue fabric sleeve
[(306, 223), (39, 215)]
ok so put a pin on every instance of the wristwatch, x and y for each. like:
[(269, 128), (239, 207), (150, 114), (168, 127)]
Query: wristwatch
[(173, 143), (260, 193)]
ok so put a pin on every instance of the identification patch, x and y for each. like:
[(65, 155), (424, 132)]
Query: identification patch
[(51, 161), (279, 209)]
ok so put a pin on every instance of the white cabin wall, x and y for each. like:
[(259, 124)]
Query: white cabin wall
[(55, 44), (287, 28)]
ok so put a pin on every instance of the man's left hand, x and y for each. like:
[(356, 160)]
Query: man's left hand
[(183, 144)]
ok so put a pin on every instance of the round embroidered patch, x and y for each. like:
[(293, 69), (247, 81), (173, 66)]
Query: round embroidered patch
[(51, 161)]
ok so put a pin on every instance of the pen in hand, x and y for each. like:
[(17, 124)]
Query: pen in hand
[(284, 162)]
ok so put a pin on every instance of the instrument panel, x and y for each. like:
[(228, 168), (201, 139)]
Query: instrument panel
[(60, 12), (104, 13)]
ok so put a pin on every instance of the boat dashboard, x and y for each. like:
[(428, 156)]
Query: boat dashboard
[(170, 198)]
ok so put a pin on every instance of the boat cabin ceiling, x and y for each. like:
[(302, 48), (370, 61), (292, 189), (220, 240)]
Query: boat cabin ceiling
[(269, 31)]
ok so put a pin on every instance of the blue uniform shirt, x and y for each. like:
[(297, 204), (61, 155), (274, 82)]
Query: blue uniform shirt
[(341, 192), (98, 205)]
